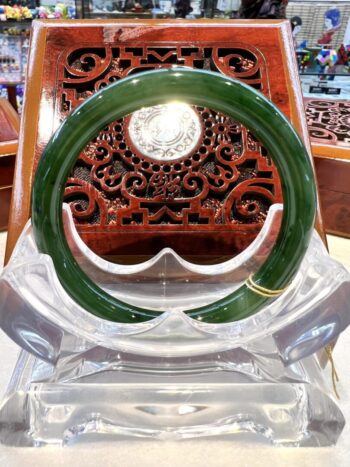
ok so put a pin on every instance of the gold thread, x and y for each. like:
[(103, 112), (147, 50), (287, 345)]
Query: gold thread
[(263, 291), (335, 377), (259, 292)]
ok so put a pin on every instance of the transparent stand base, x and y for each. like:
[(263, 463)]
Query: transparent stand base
[(172, 377), (229, 394)]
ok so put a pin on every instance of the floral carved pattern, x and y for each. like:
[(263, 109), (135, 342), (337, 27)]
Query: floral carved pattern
[(226, 181), (328, 121)]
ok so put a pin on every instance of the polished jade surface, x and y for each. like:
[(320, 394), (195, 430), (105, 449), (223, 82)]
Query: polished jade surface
[(195, 87)]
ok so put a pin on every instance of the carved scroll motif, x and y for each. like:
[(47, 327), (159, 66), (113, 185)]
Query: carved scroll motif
[(328, 121), (226, 179)]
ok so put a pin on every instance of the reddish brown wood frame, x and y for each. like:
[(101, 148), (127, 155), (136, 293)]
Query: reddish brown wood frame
[(233, 180), (329, 127), (9, 128)]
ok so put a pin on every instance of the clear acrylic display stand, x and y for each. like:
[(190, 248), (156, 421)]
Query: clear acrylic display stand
[(81, 377)]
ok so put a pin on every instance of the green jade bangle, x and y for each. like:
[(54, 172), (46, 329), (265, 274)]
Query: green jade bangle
[(194, 87)]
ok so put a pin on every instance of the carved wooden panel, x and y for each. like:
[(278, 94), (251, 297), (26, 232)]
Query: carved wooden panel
[(329, 128), (225, 180), (328, 121), (212, 195)]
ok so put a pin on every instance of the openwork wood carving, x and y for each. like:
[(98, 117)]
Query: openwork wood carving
[(328, 121), (329, 129), (214, 176)]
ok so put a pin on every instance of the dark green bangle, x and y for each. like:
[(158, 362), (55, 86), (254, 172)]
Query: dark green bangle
[(194, 87)]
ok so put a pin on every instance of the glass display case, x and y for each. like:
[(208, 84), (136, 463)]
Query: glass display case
[(13, 58), (321, 37), (158, 8), (15, 25), (127, 9)]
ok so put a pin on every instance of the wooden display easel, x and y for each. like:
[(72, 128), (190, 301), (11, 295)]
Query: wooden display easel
[(71, 60)]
